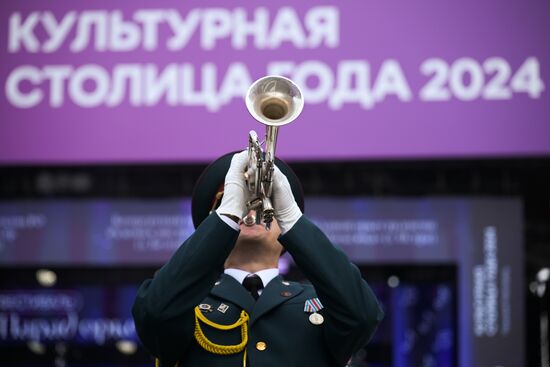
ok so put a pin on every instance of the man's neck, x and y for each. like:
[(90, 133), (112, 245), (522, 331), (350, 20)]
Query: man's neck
[(267, 275), (250, 267), (251, 261)]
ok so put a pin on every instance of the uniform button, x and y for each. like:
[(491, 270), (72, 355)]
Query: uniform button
[(261, 346), (286, 294)]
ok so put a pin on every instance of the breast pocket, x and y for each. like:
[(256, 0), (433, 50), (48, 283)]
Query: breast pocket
[(296, 317), (303, 336)]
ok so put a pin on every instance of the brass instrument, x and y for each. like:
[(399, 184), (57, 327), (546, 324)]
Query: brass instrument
[(274, 101)]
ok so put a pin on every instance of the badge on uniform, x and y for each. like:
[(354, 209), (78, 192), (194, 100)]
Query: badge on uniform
[(312, 306), (223, 307), (205, 307)]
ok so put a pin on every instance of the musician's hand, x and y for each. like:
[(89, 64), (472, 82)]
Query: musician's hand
[(287, 211), (235, 191)]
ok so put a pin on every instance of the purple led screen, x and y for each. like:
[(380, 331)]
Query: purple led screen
[(148, 231), (93, 232), (94, 315), (117, 81)]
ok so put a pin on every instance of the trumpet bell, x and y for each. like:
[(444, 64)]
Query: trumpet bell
[(274, 100)]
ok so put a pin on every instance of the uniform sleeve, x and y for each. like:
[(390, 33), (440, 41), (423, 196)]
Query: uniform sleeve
[(163, 309), (352, 312)]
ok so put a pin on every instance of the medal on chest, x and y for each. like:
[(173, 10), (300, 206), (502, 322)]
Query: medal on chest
[(311, 306), (316, 318)]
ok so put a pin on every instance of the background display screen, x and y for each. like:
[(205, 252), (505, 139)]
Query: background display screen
[(478, 239)]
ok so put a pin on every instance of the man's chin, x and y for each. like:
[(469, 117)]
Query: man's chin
[(255, 232), (256, 229)]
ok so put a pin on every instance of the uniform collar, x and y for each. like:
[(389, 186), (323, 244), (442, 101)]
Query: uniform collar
[(275, 293), (267, 275)]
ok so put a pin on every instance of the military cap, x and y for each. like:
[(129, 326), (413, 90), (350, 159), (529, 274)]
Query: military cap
[(208, 189)]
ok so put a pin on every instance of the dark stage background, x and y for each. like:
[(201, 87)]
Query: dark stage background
[(111, 287)]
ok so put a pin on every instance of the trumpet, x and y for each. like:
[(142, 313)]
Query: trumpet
[(274, 101)]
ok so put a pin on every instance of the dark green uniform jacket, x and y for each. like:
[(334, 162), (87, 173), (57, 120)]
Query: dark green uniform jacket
[(164, 307)]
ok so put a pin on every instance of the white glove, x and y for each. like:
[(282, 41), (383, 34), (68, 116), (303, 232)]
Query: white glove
[(235, 191), (287, 211)]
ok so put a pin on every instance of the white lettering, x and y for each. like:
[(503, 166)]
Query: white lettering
[(57, 32), (183, 29), (478, 278), (81, 95), (22, 34), (464, 79), (91, 19), (496, 86), (13, 92), (485, 287), (287, 28), (122, 73), (435, 89), (216, 24), (352, 86), (158, 85), (124, 35), (323, 23), (150, 19), (391, 80), (459, 70), (491, 274), (43, 329), (101, 330), (256, 28), (527, 79), (57, 76), (207, 96)]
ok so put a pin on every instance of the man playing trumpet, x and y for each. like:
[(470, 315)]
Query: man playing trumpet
[(219, 301)]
